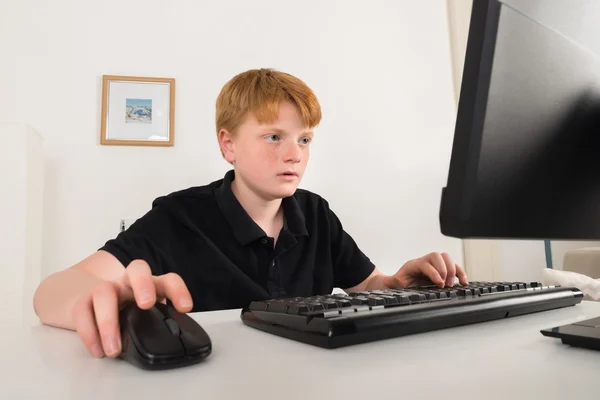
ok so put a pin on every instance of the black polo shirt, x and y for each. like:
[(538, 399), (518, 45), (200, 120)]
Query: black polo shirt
[(226, 260)]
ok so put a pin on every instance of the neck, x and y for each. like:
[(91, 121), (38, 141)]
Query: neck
[(263, 211)]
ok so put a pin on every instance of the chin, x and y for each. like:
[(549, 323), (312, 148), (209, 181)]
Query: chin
[(282, 192)]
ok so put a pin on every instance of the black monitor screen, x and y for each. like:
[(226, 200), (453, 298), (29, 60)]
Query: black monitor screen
[(526, 154)]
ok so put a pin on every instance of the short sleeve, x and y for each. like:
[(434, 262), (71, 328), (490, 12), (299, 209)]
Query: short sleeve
[(350, 265), (146, 239)]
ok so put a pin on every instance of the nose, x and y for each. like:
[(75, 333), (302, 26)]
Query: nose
[(293, 153)]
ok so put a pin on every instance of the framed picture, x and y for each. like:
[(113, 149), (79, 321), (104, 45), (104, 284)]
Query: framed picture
[(137, 111)]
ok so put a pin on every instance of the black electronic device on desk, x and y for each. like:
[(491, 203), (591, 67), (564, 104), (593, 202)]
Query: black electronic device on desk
[(161, 338), (584, 333), (338, 320), (525, 158)]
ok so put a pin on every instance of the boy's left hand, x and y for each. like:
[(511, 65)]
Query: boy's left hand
[(436, 268)]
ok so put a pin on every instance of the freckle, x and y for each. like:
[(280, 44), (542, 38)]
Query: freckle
[(271, 156)]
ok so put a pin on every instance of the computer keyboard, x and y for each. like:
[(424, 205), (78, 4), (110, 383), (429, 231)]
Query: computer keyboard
[(337, 320)]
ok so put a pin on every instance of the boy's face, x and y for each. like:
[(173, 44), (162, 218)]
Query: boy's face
[(270, 159)]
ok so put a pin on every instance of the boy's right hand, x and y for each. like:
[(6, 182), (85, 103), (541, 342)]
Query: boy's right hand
[(96, 316)]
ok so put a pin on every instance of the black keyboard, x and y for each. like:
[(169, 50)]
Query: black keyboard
[(337, 320)]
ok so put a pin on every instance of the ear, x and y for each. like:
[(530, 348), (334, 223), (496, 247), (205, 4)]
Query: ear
[(227, 145)]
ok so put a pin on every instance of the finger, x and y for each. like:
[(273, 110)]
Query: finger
[(450, 268), (438, 262), (171, 286), (462, 276), (106, 310), (433, 274), (84, 323), (139, 277)]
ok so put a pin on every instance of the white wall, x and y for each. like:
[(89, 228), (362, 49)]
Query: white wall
[(21, 205), (381, 70)]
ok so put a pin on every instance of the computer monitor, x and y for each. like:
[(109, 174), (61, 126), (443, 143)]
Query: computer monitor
[(525, 161)]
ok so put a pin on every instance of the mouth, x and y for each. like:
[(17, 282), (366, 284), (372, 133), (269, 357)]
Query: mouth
[(289, 173)]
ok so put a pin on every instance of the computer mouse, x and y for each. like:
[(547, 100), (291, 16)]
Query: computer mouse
[(161, 338)]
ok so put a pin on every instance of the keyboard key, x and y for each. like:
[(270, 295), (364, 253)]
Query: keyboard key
[(297, 308), (376, 300), (329, 304), (417, 298), (401, 298), (360, 300), (431, 296), (356, 294), (347, 298), (258, 306), (389, 300), (343, 303), (278, 306), (314, 306)]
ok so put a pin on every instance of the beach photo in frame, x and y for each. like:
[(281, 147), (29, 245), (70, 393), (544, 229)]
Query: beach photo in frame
[(137, 111)]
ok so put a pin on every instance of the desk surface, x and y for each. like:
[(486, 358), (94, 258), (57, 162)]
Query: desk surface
[(500, 359)]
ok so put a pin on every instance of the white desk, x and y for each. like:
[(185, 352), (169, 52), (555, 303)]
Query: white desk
[(493, 360)]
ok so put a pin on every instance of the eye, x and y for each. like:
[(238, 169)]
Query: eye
[(273, 138), (305, 140)]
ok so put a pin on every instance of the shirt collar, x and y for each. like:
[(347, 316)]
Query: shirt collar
[(244, 228)]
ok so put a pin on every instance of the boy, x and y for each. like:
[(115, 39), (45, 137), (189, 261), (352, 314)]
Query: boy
[(251, 235)]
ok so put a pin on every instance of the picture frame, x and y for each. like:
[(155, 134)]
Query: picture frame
[(137, 111)]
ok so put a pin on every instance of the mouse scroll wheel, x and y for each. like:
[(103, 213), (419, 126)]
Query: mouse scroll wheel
[(173, 326)]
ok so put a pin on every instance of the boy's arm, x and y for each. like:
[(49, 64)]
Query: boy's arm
[(88, 296), (57, 295), (436, 268)]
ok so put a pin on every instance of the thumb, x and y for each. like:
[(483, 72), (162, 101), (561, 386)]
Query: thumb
[(392, 282)]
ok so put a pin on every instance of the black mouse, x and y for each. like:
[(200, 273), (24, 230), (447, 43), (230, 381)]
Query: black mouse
[(161, 338)]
